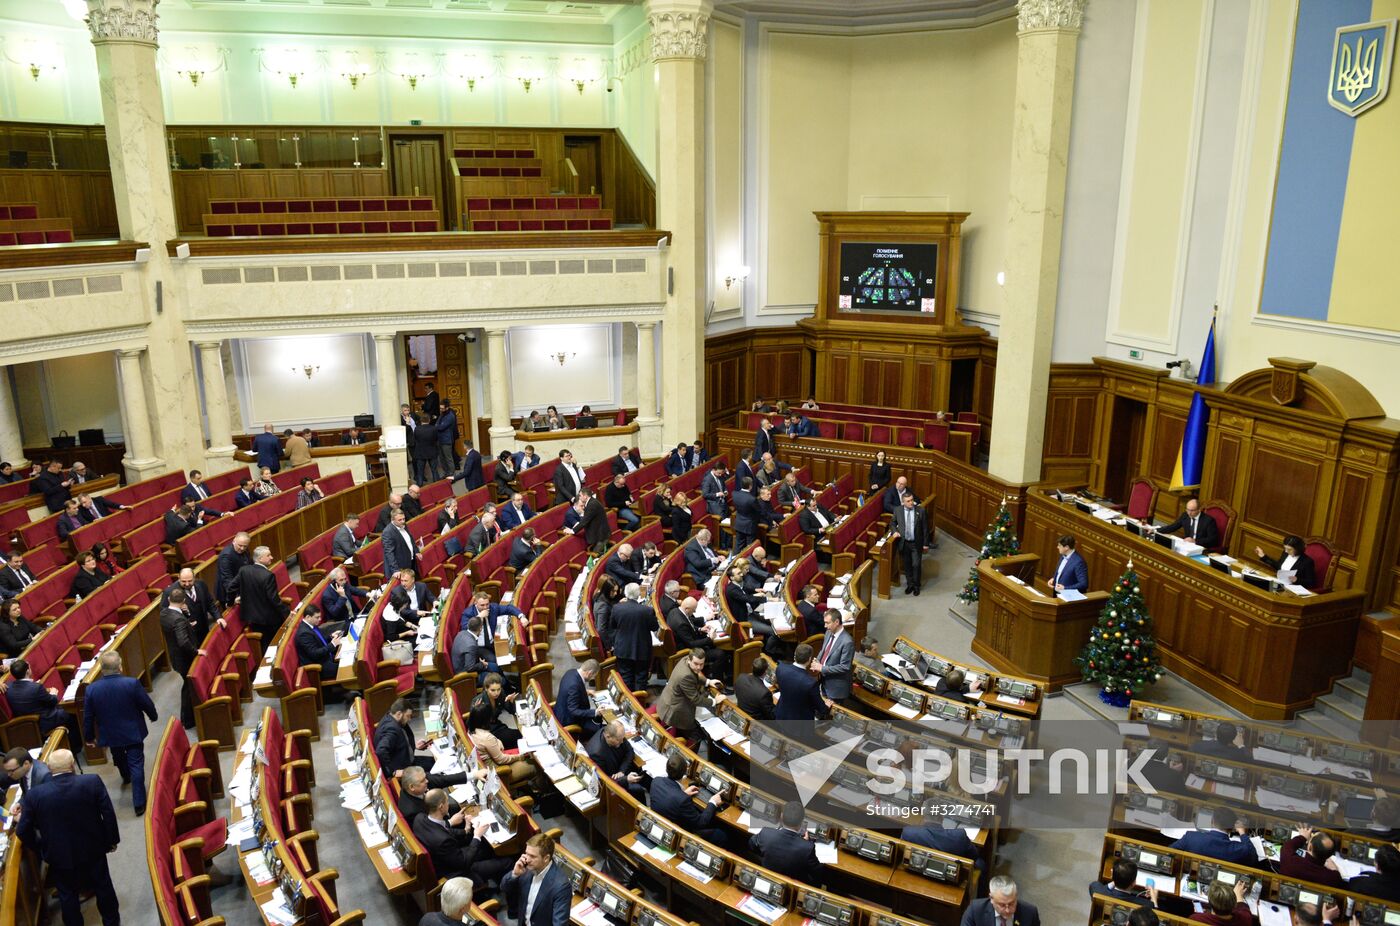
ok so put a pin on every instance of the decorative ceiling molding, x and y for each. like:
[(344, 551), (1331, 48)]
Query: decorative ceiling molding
[(427, 320), (872, 15)]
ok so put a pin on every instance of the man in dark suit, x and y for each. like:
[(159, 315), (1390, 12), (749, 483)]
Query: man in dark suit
[(619, 566), (750, 513), (1071, 573), (712, 487), (953, 840), (623, 463), (1195, 525), (432, 402), (261, 605), (1384, 882), (1228, 743), (1123, 885), (27, 696), (812, 611), (473, 652), (490, 612), (515, 512), (447, 439), (799, 691), (386, 511), (20, 768), (471, 473), (454, 851), (567, 479), (352, 437), (572, 705), (455, 899), (701, 560), (801, 426), (634, 622), (954, 685), (95, 507), (524, 459), (815, 520), (268, 449), (613, 754), (786, 850), (181, 646), (523, 550), (344, 543), (245, 495), (71, 822), (412, 503), (199, 603), (546, 905), (1001, 907), (115, 709), (232, 559), (676, 803), (396, 748), (486, 532), (593, 522), (195, 490), (54, 485), (16, 576), (894, 495), (910, 525), (763, 440), (680, 460), (314, 648), (425, 451), (752, 694), (69, 521), (1226, 840), (400, 552), (186, 517)]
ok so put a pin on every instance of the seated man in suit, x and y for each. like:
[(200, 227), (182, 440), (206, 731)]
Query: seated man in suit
[(610, 749), (413, 501), (386, 513), (395, 747), (812, 611), (955, 685), (791, 492), (701, 560), (524, 549), (622, 464), (953, 840), (490, 612), (752, 694), (815, 519), (409, 602), (868, 654), (514, 513), (761, 569), (314, 648), (195, 490), (345, 542), (537, 891), (676, 802), (573, 705), (474, 652), (678, 462), (456, 853), (68, 521), (524, 459), (800, 696), (486, 532), (1002, 905), (799, 425), (1226, 840), (786, 848), (354, 437), (95, 507), (1195, 525), (16, 576), (186, 517), (245, 496), (1228, 743), (621, 567), (618, 497), (455, 898), (1384, 882), (27, 696), (1071, 573), (342, 599), (647, 558), (1123, 885)]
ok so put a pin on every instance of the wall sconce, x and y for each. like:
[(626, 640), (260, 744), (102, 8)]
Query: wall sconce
[(527, 72), (471, 68), (196, 63), (194, 76), (355, 77), (308, 369), (524, 81), (563, 356), (582, 72), (35, 56), (736, 276), (413, 80), (290, 63)]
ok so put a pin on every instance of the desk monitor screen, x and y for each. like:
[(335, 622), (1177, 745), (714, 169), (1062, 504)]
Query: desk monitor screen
[(1218, 565), (1264, 582), (887, 277), (1134, 527), (1164, 540)]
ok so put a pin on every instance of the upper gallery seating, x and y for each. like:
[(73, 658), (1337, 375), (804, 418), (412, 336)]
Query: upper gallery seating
[(20, 224), (321, 216), (505, 190)]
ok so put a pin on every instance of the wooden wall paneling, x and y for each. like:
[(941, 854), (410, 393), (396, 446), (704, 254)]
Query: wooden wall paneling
[(1071, 413), (344, 182), (376, 183), (452, 382), (254, 184), (284, 183), (891, 383), (316, 183)]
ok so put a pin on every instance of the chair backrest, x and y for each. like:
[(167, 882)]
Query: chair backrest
[(1142, 499), (1324, 562), (1224, 517), (620, 419)]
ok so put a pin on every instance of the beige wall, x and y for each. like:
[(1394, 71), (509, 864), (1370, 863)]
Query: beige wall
[(537, 380), (67, 394), (633, 100), (273, 388), (726, 159), (914, 121)]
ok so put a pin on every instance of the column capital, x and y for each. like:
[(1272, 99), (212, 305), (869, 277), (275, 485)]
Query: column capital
[(209, 345), (1039, 15), (679, 28), (496, 332), (123, 21), (381, 336), (130, 351), (647, 325)]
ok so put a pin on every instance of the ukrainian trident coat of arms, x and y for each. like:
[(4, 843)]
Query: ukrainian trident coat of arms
[(1361, 58)]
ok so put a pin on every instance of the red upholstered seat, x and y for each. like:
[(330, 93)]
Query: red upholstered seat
[(1142, 498), (323, 228), (248, 206), (31, 237), (936, 435), (906, 437), (827, 429), (620, 419), (323, 205), (374, 205), (274, 206), (853, 430), (554, 224), (58, 236), (277, 229), (1224, 518), (299, 228), (299, 205), (348, 205), (879, 434), (377, 228), (425, 225), (7, 239), (218, 207), (1320, 552), (599, 224)]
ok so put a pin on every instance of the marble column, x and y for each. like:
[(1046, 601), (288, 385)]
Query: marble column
[(679, 31), (11, 439), (124, 38), (139, 458), (1048, 35), (648, 425), (395, 450), (216, 411), (498, 380)]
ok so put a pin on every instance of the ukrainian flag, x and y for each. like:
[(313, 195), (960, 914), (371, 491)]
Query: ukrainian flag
[(1191, 458)]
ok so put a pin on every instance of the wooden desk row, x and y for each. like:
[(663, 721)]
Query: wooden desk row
[(1265, 654), (22, 895)]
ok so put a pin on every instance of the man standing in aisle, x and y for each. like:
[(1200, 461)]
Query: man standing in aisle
[(117, 706)]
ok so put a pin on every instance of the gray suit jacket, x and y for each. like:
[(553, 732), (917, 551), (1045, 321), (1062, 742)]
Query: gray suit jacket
[(343, 544), (836, 671)]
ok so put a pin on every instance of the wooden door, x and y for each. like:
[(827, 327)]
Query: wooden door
[(585, 152), (1124, 462), (417, 167)]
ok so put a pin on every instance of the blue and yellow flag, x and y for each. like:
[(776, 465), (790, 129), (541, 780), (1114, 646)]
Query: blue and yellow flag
[(1191, 458)]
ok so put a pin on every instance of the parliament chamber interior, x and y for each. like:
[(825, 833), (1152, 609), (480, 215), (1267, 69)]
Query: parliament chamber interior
[(694, 462)]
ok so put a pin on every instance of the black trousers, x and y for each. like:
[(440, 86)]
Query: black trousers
[(912, 557), (634, 673), (69, 883)]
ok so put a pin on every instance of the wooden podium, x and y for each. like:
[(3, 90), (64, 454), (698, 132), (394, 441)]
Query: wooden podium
[(1021, 631)]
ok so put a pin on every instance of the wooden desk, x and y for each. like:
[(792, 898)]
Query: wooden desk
[(22, 896), (1025, 632), (1268, 655)]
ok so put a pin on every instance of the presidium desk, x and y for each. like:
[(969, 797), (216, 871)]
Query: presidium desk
[(1266, 654)]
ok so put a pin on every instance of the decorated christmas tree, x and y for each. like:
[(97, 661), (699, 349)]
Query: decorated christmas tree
[(1000, 540), (1121, 655)]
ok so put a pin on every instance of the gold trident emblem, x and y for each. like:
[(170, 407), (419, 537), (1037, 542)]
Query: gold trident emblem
[(1356, 71)]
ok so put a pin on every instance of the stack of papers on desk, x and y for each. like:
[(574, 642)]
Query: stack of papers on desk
[(276, 912), (690, 871), (370, 833), (587, 913), (583, 800), (1273, 800), (237, 832), (390, 858), (761, 909), (1299, 590), (1273, 756), (1350, 868), (1106, 514), (603, 701), (826, 852), (353, 795), (899, 710), (1069, 594), (1186, 547), (257, 868)]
